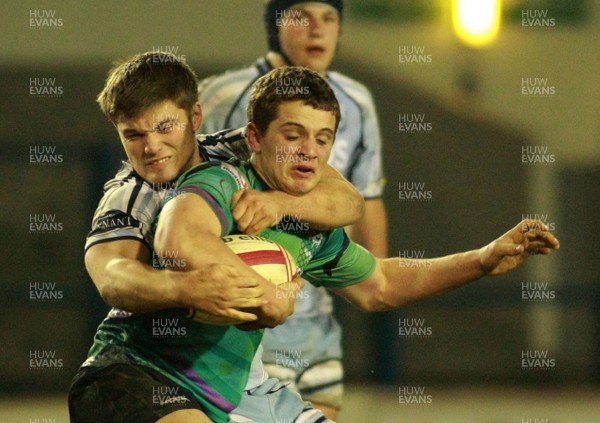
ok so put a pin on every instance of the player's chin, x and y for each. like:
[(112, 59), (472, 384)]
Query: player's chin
[(162, 177), (303, 187)]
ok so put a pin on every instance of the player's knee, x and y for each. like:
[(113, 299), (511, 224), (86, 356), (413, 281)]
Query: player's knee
[(328, 411)]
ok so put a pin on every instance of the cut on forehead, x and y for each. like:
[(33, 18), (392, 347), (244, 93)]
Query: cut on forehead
[(156, 113)]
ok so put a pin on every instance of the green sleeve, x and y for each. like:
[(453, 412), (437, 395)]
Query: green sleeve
[(340, 262), (215, 183)]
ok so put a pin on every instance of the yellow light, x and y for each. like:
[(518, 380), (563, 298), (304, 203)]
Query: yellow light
[(476, 22)]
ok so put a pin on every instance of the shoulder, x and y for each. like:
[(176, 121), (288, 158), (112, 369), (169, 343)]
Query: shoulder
[(232, 172), (226, 84), (351, 87), (127, 209), (128, 192)]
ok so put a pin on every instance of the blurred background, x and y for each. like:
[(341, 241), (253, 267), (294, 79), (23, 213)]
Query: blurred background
[(479, 133)]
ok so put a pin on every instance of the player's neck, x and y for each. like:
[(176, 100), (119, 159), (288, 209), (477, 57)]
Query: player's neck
[(276, 60), (264, 179)]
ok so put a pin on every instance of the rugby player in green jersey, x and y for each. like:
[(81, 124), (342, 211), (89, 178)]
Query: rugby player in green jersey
[(291, 135)]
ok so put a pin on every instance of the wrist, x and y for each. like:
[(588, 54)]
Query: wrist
[(482, 266), (176, 289), (284, 204)]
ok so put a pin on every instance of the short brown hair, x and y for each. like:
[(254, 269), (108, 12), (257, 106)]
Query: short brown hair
[(289, 83), (146, 79)]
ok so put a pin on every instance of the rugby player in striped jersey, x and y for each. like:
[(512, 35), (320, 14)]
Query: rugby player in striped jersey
[(152, 101)]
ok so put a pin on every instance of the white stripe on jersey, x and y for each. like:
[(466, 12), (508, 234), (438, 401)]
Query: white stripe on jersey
[(130, 205), (126, 210)]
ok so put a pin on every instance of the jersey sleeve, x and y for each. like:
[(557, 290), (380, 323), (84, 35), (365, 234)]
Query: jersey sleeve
[(125, 212), (215, 183), (339, 263), (367, 174)]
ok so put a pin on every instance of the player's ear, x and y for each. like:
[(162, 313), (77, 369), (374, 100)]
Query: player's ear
[(196, 116), (253, 136)]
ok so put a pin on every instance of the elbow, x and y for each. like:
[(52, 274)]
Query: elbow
[(373, 302), (110, 295), (379, 300), (109, 290), (359, 206)]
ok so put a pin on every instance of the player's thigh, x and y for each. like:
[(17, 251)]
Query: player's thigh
[(125, 393)]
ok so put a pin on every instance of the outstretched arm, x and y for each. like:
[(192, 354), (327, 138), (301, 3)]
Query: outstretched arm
[(125, 279), (395, 284), (189, 228), (333, 203)]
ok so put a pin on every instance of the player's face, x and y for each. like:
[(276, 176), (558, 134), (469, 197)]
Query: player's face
[(160, 143), (308, 35), (290, 155)]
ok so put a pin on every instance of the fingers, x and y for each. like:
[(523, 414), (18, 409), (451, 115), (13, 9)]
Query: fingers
[(532, 225), (252, 212), (507, 249), (238, 207), (230, 277), (244, 220), (536, 237), (542, 239), (240, 315), (258, 226), (243, 298), (235, 198)]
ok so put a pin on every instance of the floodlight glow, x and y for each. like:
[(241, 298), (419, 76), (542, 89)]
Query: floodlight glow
[(476, 22)]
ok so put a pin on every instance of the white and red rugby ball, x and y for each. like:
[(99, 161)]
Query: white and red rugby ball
[(268, 258)]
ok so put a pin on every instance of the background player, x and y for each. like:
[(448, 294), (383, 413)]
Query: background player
[(307, 124), (306, 34), (152, 100)]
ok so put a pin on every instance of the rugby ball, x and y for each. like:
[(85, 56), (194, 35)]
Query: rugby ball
[(268, 258)]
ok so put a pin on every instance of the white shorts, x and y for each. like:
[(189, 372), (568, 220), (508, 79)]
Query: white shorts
[(273, 402)]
